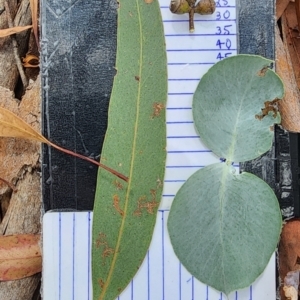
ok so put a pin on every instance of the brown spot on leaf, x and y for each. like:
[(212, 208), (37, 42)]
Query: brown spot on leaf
[(149, 206), (101, 283), (118, 185), (270, 106), (157, 107), (116, 205), (148, 1), (101, 242), (263, 71), (159, 183), (137, 78)]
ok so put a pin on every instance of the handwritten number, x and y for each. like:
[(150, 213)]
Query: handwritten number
[(220, 56), (225, 30), (220, 3), (227, 44), (225, 15), (223, 43), (219, 43)]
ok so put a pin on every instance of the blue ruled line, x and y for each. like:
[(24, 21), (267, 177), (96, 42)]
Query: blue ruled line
[(189, 151), (179, 281), (184, 79), (73, 259), (172, 167), (148, 273), (177, 108), (183, 137), (180, 122), (89, 251), (197, 20), (205, 20), (195, 63), (59, 259), (175, 180), (170, 94), (193, 288), (163, 254), (198, 50)]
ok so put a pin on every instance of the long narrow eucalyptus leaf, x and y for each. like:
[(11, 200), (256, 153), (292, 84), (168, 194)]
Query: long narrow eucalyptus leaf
[(125, 213)]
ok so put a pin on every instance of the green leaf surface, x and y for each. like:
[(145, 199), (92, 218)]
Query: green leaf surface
[(224, 227), (228, 103), (135, 145)]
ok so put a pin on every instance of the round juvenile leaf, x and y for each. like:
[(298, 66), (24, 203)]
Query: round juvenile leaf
[(235, 107), (224, 227)]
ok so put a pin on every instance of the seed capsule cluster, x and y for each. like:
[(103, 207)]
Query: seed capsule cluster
[(203, 7)]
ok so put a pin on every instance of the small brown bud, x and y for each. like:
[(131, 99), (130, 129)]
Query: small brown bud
[(205, 7), (179, 7)]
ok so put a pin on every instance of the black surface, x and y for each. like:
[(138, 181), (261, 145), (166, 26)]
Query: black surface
[(256, 27), (78, 58), (78, 42), (291, 200), (278, 167)]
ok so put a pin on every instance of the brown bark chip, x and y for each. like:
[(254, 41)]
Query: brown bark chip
[(19, 164)]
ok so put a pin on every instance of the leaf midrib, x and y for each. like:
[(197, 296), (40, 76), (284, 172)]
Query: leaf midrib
[(116, 252), (232, 146)]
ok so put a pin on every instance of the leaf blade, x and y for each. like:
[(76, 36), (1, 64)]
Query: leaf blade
[(228, 104), (137, 126), (20, 256), (9, 31), (231, 225), (13, 126)]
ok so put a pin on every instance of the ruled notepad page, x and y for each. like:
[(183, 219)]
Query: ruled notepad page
[(67, 236)]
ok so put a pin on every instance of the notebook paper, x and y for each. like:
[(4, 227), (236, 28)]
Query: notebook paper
[(67, 235), (67, 266)]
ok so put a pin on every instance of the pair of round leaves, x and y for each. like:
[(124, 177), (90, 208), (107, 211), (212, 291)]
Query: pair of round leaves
[(224, 226)]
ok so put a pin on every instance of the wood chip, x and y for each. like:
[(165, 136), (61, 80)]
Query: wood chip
[(289, 106), (281, 5)]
